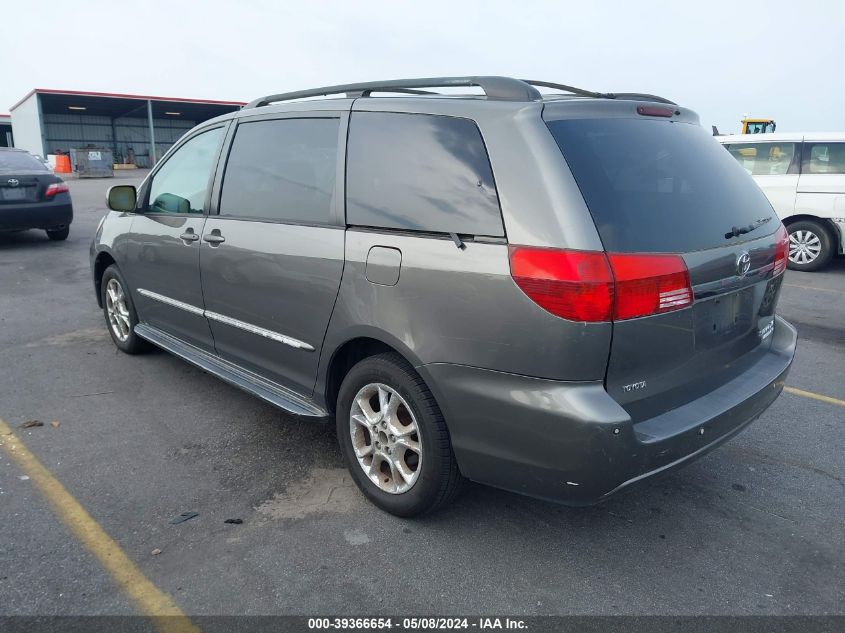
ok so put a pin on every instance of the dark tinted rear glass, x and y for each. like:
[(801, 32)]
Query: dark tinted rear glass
[(420, 172), (659, 186), (283, 170), (13, 161)]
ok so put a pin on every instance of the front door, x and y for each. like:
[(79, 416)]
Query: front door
[(272, 257), (164, 249)]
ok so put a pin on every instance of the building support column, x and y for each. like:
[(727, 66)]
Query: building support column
[(152, 133), (43, 128)]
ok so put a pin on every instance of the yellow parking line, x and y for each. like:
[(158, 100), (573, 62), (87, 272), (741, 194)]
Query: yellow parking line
[(833, 290), (149, 599), (814, 396)]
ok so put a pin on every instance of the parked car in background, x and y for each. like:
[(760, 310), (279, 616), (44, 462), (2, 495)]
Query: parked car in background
[(555, 295), (803, 176), (32, 196)]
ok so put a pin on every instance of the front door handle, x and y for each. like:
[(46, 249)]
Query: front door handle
[(189, 236), (214, 238)]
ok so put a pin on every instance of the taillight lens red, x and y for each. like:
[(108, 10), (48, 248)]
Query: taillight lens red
[(781, 250), (575, 285), (594, 286), (56, 187), (649, 284)]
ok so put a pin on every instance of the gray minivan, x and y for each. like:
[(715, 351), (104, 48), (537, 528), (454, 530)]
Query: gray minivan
[(556, 294)]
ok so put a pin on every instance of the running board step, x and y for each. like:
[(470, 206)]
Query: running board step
[(269, 391)]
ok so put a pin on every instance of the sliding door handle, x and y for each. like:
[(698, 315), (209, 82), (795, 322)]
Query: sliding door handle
[(214, 238)]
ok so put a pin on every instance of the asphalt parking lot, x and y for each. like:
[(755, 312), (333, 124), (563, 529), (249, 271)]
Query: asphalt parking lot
[(755, 527)]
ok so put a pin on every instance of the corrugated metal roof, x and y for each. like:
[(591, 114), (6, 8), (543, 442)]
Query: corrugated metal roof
[(116, 95)]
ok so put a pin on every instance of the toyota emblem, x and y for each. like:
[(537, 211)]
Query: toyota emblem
[(743, 263), (13, 182)]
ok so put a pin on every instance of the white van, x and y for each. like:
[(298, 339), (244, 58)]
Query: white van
[(803, 175)]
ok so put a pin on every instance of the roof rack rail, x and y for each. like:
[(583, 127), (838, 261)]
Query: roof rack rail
[(633, 96), (640, 96), (576, 91), (499, 88)]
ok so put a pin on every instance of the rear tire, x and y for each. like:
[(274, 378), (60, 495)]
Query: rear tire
[(811, 246), (396, 446), (120, 314), (58, 235)]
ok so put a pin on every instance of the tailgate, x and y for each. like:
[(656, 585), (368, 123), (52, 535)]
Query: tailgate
[(668, 202), (660, 362)]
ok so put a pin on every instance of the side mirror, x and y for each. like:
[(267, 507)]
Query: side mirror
[(122, 198)]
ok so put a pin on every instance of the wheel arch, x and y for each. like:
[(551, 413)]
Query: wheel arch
[(103, 260), (353, 349)]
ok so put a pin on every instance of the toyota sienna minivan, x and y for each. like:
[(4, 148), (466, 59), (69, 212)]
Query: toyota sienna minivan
[(556, 294)]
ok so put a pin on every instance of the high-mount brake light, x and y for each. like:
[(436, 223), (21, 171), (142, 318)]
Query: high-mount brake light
[(596, 286), (655, 111), (781, 250), (56, 188)]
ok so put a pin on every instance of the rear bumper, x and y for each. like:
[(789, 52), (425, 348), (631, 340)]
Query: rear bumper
[(54, 214), (572, 443)]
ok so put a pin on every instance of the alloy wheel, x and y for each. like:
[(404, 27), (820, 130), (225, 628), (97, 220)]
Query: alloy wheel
[(385, 438), (117, 310)]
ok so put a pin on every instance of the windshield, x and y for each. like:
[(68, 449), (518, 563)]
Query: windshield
[(661, 186), (20, 161)]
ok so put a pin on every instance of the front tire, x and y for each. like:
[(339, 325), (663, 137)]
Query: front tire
[(810, 246), (120, 314), (58, 235), (394, 439)]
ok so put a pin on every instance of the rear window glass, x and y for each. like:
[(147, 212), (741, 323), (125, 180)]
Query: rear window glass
[(420, 172), (824, 158), (10, 161), (764, 159), (660, 186)]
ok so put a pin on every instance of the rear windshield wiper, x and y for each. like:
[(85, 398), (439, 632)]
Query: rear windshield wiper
[(736, 231)]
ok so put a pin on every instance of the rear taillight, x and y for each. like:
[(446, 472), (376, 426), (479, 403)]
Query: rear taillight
[(593, 286), (55, 188), (649, 284), (781, 250), (575, 285)]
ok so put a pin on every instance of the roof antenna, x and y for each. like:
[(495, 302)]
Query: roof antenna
[(458, 241)]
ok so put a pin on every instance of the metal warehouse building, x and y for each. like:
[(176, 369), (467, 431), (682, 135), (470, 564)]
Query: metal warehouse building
[(135, 128)]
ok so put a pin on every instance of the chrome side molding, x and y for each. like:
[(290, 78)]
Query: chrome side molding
[(222, 318), (260, 331), (187, 307)]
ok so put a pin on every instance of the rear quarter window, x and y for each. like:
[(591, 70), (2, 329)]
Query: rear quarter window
[(661, 186), (824, 158), (420, 172)]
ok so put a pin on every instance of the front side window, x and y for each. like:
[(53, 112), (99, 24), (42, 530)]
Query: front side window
[(824, 158), (181, 184), (420, 172), (764, 159), (282, 170)]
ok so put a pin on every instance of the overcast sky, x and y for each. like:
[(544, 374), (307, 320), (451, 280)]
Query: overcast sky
[(779, 59)]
